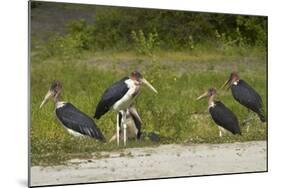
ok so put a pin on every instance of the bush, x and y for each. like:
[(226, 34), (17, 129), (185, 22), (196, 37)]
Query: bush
[(234, 43), (124, 28), (145, 44), (78, 37)]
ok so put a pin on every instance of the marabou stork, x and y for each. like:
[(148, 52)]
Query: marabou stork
[(245, 95), (223, 117), (133, 122), (119, 97), (73, 120)]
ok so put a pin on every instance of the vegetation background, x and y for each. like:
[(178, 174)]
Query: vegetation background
[(181, 53)]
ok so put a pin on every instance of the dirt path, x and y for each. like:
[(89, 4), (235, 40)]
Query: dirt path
[(152, 162)]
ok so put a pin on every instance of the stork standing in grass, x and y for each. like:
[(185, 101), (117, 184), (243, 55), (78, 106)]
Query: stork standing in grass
[(133, 122), (73, 120), (223, 117), (119, 97), (245, 95), (134, 127)]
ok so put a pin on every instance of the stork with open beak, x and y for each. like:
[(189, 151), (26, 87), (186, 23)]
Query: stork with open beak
[(73, 120), (223, 117), (245, 95), (119, 97)]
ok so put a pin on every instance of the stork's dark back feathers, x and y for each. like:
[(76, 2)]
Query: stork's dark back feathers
[(72, 118), (110, 96), (248, 97), (224, 117)]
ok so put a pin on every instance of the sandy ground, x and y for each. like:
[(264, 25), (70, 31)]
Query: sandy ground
[(157, 162)]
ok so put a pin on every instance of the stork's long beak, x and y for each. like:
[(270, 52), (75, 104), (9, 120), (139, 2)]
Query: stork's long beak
[(202, 96), (149, 85), (134, 112), (46, 98), (225, 84)]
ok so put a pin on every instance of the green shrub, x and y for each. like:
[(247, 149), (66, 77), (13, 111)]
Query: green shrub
[(116, 28), (79, 36), (145, 44), (228, 43)]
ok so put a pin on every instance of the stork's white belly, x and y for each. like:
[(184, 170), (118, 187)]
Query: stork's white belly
[(74, 133), (126, 101), (222, 129)]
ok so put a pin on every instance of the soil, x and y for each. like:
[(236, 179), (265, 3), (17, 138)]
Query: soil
[(157, 162)]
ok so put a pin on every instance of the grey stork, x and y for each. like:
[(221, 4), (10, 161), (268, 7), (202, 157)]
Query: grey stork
[(245, 95), (133, 122), (73, 120), (223, 117), (119, 97)]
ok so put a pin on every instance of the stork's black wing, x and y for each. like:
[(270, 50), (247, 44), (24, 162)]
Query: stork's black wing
[(72, 118), (110, 96), (225, 117), (248, 97)]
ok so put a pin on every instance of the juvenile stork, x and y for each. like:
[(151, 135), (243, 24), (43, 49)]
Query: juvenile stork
[(119, 97), (245, 95), (223, 117), (73, 120), (133, 122)]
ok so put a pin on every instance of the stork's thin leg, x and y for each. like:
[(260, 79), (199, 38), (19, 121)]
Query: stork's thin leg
[(117, 130), (125, 128)]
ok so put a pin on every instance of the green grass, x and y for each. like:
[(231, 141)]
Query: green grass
[(174, 113)]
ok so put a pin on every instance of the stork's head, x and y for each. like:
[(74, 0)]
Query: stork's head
[(53, 92), (209, 93), (137, 76), (232, 79)]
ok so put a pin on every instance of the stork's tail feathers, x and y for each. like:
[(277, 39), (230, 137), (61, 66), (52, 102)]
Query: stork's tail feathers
[(97, 134), (93, 132), (239, 132), (96, 116), (101, 138), (262, 116)]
